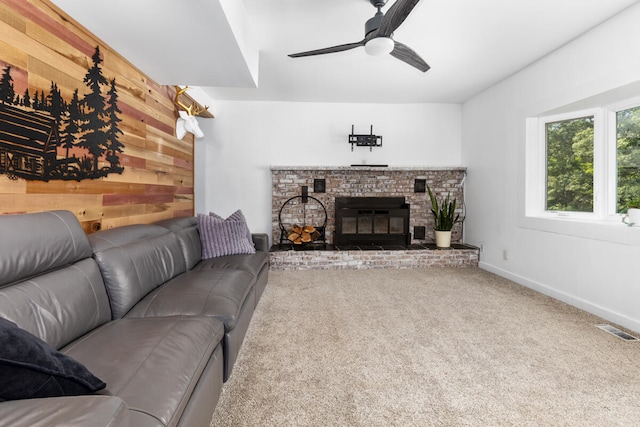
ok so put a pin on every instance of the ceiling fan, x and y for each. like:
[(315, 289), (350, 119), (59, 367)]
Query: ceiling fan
[(378, 35)]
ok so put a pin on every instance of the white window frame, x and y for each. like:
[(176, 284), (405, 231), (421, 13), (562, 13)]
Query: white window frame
[(604, 223), (612, 153), (536, 204)]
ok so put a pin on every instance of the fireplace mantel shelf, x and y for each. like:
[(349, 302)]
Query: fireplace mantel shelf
[(368, 168)]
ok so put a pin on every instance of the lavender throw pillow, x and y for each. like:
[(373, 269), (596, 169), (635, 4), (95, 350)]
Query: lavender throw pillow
[(221, 238), (236, 216)]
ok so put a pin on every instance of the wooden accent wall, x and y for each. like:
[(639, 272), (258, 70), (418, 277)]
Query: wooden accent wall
[(44, 45)]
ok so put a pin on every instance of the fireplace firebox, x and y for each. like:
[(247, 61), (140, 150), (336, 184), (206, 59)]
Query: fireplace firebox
[(371, 221)]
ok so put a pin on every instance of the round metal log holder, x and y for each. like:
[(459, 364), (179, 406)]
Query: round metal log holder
[(304, 200)]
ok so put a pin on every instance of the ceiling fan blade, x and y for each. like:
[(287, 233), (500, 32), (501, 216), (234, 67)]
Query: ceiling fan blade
[(395, 16), (406, 54), (332, 49)]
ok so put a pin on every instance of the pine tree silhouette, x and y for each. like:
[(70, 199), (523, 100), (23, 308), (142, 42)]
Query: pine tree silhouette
[(114, 145), (7, 93), (27, 98), (55, 102), (94, 138), (42, 101), (70, 125)]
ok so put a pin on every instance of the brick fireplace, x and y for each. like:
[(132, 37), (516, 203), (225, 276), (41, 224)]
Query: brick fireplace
[(325, 184)]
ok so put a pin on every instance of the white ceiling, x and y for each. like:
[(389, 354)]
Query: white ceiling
[(470, 44), (174, 44)]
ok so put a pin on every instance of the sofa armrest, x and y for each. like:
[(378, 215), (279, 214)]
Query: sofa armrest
[(261, 241), (76, 411)]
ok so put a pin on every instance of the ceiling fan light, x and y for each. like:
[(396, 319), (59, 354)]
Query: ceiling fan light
[(379, 46)]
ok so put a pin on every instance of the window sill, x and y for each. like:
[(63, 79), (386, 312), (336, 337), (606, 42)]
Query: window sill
[(606, 231)]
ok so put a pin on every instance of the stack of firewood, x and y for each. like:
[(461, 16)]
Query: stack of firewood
[(305, 234)]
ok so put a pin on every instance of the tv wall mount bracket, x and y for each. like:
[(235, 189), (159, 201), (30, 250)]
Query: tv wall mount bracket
[(370, 140)]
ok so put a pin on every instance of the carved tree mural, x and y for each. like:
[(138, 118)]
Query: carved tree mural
[(45, 137)]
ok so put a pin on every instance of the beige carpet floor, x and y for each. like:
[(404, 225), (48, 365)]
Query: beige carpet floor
[(436, 347)]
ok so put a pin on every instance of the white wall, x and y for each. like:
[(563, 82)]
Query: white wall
[(578, 264), (245, 139)]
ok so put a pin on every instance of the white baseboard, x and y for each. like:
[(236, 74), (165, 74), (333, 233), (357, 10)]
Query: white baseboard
[(605, 313)]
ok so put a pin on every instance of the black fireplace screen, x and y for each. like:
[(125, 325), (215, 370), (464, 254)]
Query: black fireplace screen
[(371, 221)]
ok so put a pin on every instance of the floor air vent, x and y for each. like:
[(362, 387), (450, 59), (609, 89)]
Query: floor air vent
[(617, 332)]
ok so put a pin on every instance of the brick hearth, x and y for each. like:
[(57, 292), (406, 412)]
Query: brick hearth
[(416, 256)]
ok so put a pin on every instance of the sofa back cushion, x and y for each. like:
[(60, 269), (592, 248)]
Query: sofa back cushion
[(49, 284), (134, 260), (186, 228)]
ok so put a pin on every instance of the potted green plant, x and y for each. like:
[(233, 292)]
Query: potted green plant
[(445, 218), (633, 213)]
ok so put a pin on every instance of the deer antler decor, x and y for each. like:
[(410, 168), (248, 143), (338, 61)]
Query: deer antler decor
[(192, 109), (187, 121)]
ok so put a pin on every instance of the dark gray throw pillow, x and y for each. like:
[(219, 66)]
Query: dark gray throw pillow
[(31, 368)]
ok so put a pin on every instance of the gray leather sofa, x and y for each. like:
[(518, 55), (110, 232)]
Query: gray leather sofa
[(137, 307), (157, 271)]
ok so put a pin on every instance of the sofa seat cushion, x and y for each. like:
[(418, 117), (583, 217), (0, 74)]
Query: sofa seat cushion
[(76, 411), (152, 364), (217, 293), (252, 264)]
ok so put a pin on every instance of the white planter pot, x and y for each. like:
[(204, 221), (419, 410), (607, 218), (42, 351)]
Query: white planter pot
[(443, 239), (632, 218)]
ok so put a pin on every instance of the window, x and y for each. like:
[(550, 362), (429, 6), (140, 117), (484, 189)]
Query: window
[(627, 157), (581, 166), (588, 163), (569, 146)]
